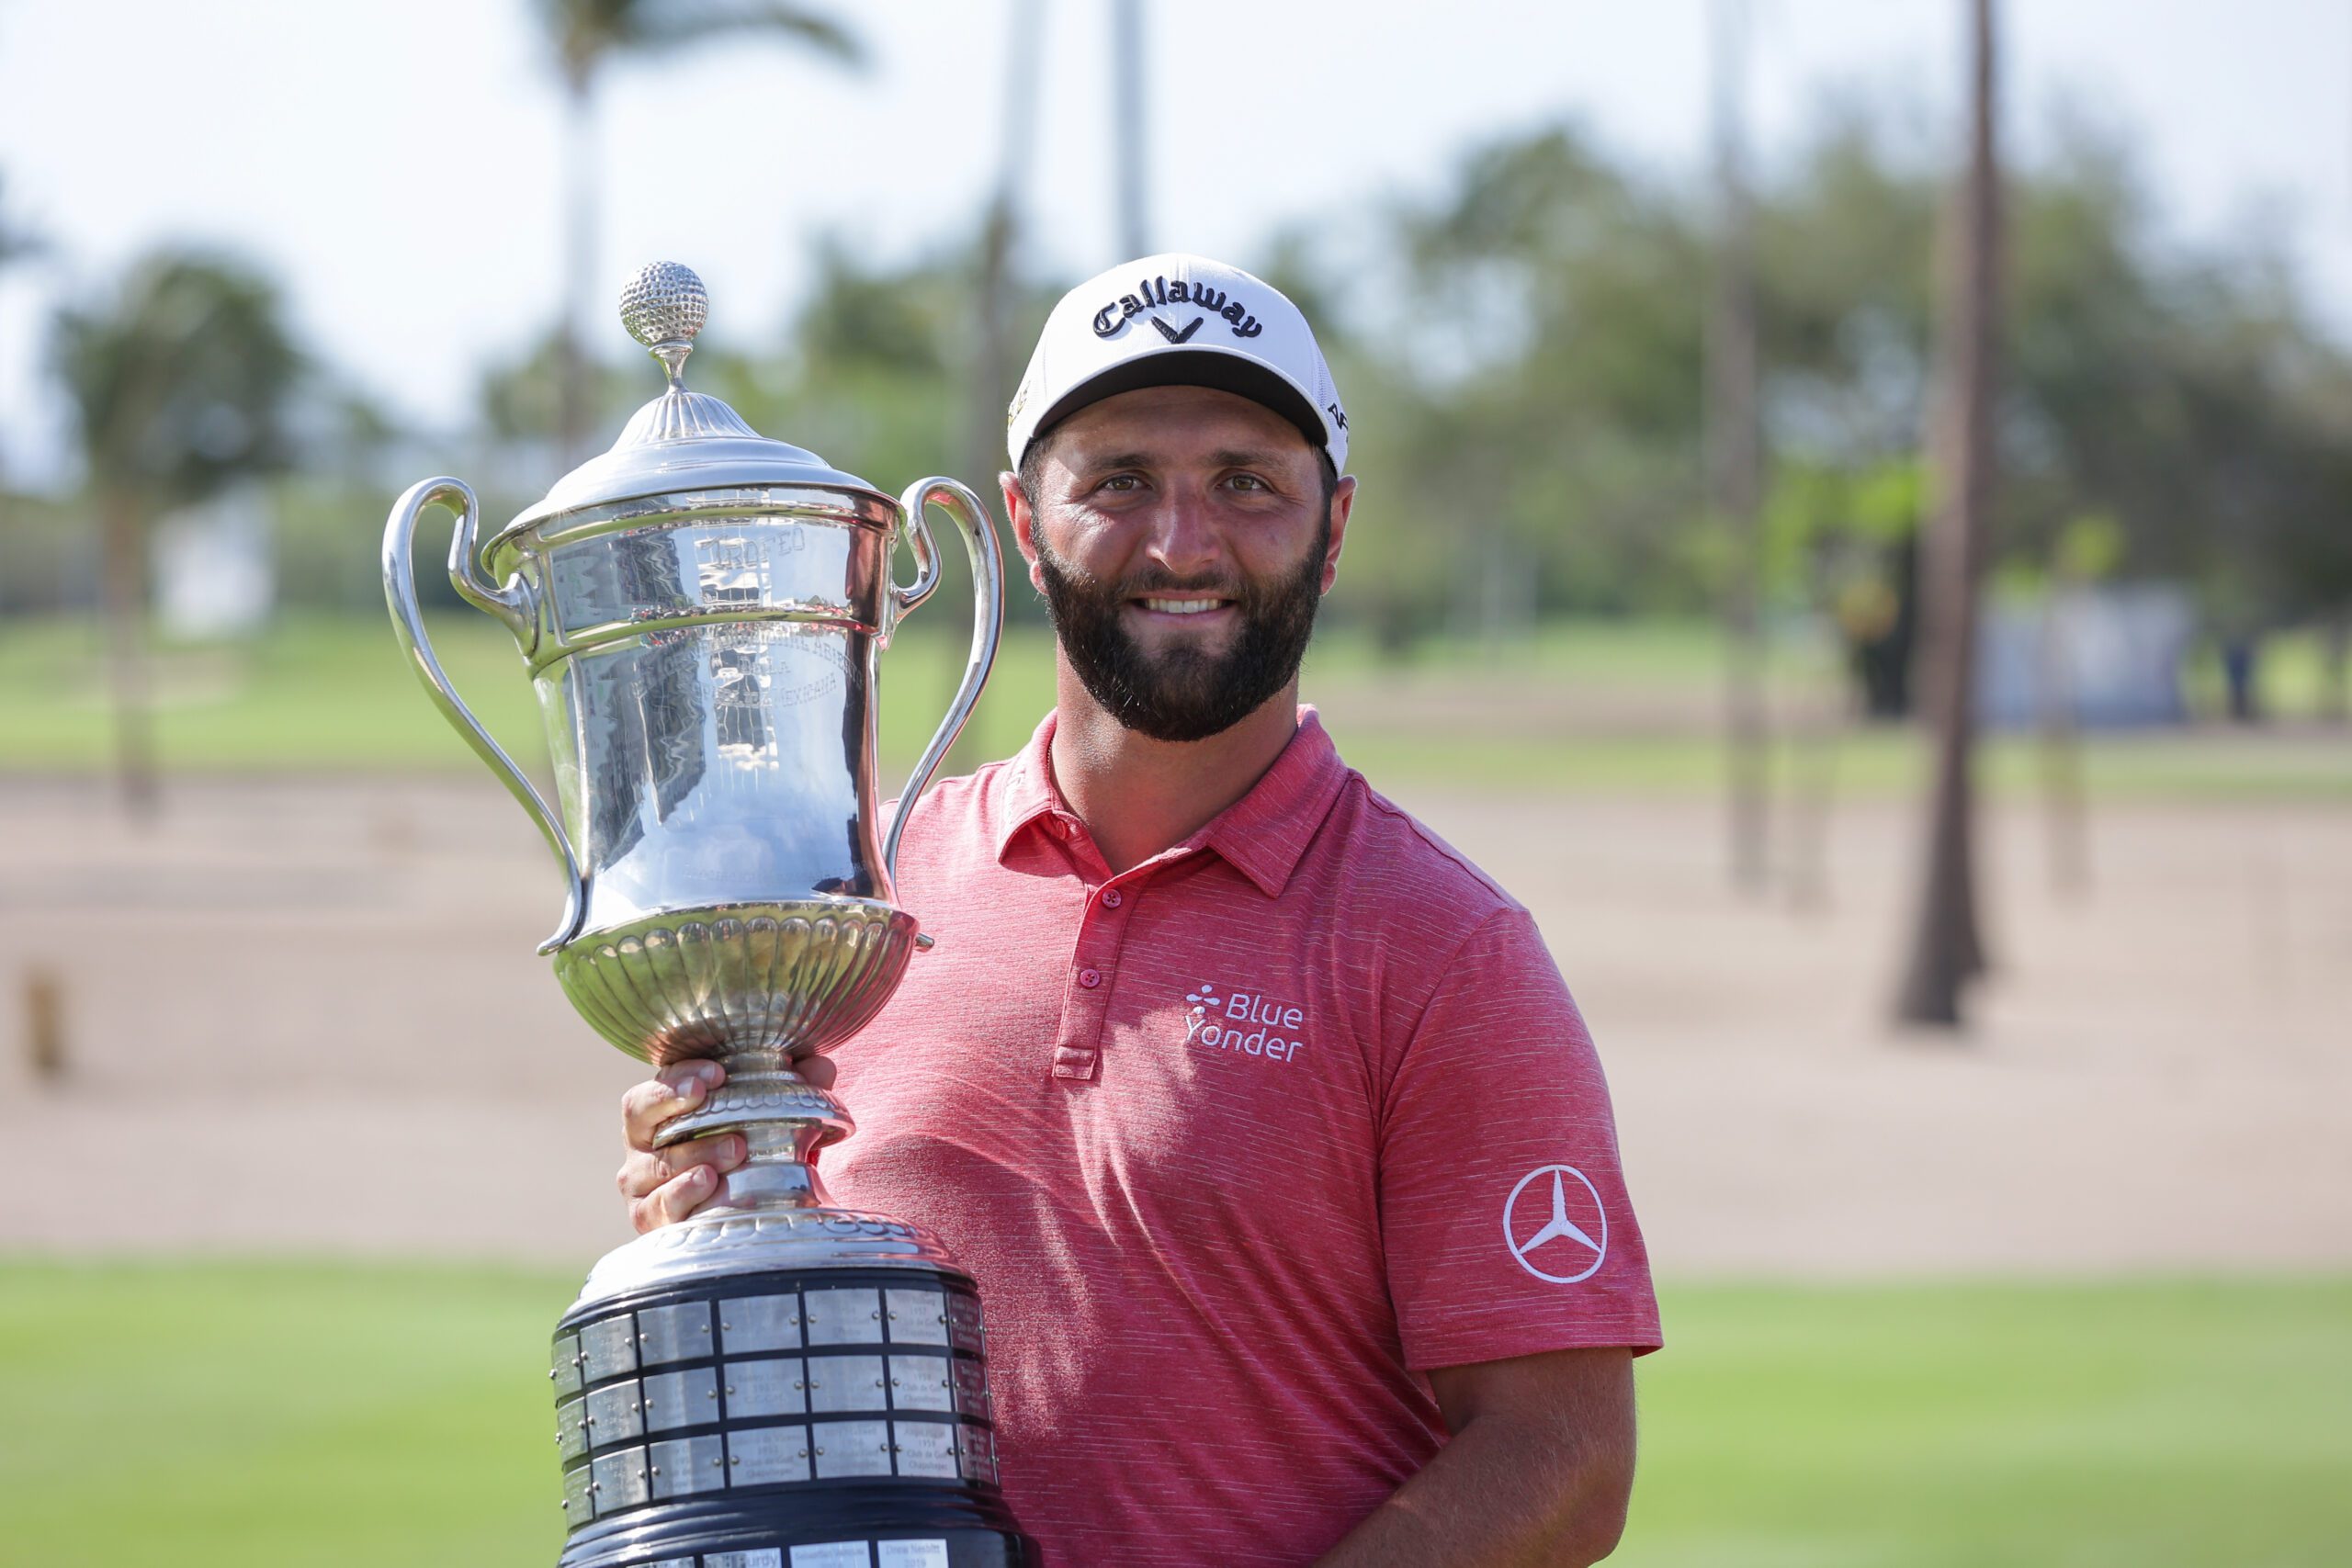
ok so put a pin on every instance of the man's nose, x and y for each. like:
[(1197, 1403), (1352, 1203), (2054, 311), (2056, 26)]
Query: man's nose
[(1183, 538)]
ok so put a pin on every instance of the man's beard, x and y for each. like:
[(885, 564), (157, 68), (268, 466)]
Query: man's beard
[(1184, 694)]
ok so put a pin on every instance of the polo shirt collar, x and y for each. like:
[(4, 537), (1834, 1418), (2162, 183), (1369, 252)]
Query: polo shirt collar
[(1028, 789), (1262, 835)]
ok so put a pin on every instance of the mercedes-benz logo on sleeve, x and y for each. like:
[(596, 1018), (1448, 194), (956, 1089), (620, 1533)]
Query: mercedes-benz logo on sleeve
[(1556, 1226)]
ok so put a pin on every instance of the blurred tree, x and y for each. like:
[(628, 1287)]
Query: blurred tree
[(2191, 398), (1836, 543), (587, 33), (181, 384), (1736, 458), (17, 243), (1537, 384), (2085, 553), (524, 400), (1523, 352), (1947, 945), (349, 457)]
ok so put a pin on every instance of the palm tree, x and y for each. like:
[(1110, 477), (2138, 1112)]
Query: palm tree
[(1736, 458), (1947, 945), (585, 34), (181, 385), (1129, 116)]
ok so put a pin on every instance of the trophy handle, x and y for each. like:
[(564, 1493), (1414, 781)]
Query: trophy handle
[(988, 621), (512, 606)]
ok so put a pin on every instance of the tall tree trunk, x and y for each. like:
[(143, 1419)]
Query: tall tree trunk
[(123, 546), (2335, 691), (994, 369), (1735, 462), (1947, 945), (2066, 815), (573, 400), (1128, 114)]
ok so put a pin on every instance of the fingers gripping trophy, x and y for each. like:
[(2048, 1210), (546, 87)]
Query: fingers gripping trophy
[(775, 1383)]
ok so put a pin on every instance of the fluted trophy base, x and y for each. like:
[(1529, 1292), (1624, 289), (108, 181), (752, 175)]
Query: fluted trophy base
[(708, 981)]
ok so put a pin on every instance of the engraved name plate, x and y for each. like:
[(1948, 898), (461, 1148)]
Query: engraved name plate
[(579, 1504), (765, 1388), (683, 1466), (917, 1317), (760, 1322), (614, 1414), (977, 1447), (563, 1365), (963, 1330), (673, 1333), (609, 1348), (845, 1317), (764, 1456), (620, 1481), (572, 1429), (920, 1382), (971, 1388), (846, 1382), (853, 1448), (926, 1448), (680, 1399)]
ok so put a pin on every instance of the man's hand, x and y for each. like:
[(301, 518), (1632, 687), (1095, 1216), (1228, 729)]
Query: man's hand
[(663, 1186), (1535, 1475)]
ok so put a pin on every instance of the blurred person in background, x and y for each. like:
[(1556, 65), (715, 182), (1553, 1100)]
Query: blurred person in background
[(1262, 1118)]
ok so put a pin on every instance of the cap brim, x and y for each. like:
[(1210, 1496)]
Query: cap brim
[(1219, 368)]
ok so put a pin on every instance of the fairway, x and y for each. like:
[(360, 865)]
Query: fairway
[(1587, 707), (284, 1413)]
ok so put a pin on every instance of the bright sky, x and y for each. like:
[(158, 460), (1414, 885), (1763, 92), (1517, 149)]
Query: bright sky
[(395, 163)]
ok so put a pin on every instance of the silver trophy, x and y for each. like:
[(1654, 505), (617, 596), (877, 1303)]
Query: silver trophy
[(775, 1381)]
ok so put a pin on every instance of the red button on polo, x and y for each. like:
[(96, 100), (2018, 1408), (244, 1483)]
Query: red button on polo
[(1111, 898), (1090, 978)]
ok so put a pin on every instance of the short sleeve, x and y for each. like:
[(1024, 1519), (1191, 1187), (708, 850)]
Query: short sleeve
[(1504, 1214)]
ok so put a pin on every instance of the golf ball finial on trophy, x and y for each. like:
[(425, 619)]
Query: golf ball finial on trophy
[(775, 1383)]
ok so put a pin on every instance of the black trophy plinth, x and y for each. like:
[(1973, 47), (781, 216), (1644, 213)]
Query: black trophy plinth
[(828, 1418)]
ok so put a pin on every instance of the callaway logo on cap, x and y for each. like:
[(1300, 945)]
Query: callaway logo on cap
[(1178, 320)]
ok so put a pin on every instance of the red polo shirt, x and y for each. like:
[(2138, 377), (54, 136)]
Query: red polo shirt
[(1237, 1143)]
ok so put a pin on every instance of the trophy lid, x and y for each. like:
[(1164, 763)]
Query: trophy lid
[(682, 440)]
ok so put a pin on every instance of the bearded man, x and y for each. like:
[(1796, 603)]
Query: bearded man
[(1261, 1117)]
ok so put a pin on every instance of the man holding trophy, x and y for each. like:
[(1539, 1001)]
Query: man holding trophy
[(1261, 1118)]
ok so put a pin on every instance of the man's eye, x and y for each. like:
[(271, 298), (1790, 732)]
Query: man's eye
[(1247, 482), (1123, 483)]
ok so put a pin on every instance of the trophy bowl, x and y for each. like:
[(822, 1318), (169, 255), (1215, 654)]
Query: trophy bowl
[(775, 1381)]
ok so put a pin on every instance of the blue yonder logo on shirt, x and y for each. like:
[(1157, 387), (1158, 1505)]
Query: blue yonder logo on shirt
[(1250, 1022)]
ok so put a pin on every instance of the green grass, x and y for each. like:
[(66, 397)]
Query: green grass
[(198, 1416), (202, 1414), (2137, 1426), (326, 696)]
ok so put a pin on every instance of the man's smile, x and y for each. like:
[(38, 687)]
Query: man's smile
[(1191, 605), (1191, 610)]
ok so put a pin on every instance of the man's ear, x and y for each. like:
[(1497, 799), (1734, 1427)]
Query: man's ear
[(1025, 526), (1343, 504)]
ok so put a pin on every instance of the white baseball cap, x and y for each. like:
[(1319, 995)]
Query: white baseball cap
[(1178, 320)]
